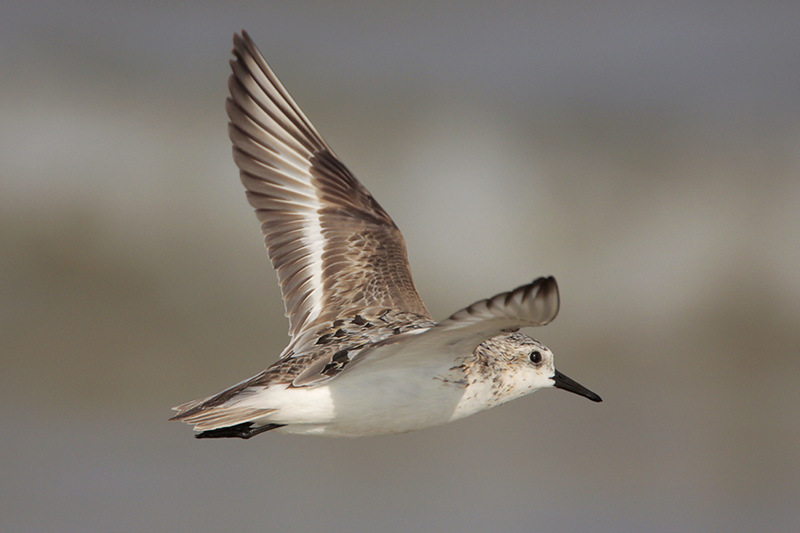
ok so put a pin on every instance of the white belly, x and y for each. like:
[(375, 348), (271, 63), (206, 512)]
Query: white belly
[(375, 402)]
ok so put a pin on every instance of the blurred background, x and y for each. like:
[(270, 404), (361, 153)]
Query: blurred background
[(646, 154)]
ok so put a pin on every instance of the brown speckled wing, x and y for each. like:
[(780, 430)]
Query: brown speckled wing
[(335, 250), (534, 304)]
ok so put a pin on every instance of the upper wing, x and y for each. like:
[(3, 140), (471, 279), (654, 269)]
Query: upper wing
[(334, 248), (534, 304)]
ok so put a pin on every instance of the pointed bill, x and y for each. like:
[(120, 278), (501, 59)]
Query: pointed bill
[(568, 384), (333, 246)]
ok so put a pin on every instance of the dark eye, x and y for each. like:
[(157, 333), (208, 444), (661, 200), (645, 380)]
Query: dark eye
[(536, 357)]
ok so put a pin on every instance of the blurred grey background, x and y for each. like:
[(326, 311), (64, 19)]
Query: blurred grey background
[(646, 154)]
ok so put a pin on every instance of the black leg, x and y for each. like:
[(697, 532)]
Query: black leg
[(244, 430)]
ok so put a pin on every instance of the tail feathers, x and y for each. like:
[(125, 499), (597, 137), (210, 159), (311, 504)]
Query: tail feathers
[(205, 417), (184, 408)]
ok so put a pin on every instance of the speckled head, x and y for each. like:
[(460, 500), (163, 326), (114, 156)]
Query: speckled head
[(522, 365)]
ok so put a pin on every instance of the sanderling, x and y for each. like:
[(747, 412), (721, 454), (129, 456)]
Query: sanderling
[(365, 356)]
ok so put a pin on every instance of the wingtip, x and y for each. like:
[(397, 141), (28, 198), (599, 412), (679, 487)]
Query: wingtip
[(550, 292), (242, 42)]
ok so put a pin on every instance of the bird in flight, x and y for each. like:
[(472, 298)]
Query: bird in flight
[(365, 356)]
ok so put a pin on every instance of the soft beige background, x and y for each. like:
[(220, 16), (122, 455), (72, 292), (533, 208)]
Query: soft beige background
[(647, 155)]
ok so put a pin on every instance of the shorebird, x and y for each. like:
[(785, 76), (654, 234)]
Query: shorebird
[(365, 356)]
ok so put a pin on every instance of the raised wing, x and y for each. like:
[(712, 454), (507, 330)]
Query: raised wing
[(333, 246), (534, 304)]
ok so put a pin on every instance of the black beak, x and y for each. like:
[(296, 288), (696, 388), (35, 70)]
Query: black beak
[(563, 382)]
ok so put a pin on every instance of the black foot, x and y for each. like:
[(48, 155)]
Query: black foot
[(244, 430)]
